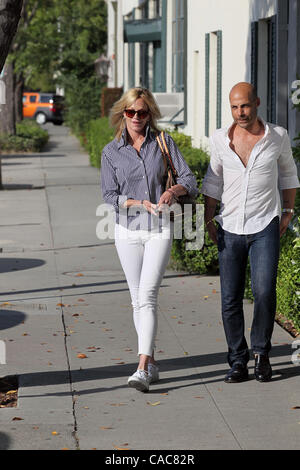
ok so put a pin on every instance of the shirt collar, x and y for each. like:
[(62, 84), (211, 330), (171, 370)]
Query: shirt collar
[(264, 123), (124, 137)]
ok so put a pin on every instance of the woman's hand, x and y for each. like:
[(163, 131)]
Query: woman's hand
[(152, 208), (168, 197)]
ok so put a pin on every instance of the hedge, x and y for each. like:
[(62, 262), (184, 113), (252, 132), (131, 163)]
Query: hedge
[(205, 261), (30, 137)]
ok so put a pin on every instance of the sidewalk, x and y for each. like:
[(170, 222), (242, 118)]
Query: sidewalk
[(63, 294)]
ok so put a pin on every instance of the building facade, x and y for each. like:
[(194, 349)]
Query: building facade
[(190, 53)]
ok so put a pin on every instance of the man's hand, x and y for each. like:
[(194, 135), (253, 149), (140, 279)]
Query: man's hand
[(212, 232), (284, 222)]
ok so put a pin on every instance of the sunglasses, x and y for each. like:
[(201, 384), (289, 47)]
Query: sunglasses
[(142, 114)]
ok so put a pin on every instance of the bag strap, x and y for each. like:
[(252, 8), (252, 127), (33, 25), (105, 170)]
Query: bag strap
[(166, 153)]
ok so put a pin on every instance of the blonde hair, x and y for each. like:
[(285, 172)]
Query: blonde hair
[(128, 98)]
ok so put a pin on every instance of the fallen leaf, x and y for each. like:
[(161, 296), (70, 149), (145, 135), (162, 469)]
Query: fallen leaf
[(17, 418), (153, 404), (55, 433), (104, 428), (295, 408), (121, 448), (81, 356)]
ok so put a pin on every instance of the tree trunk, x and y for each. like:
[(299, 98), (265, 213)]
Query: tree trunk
[(7, 111), (18, 98), (10, 13)]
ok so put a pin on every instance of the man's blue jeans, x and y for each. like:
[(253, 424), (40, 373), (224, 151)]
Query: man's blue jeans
[(262, 249)]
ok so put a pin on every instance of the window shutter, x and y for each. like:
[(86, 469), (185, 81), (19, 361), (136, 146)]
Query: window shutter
[(219, 79), (254, 52), (207, 44), (272, 69)]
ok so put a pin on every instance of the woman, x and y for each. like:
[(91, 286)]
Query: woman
[(132, 178)]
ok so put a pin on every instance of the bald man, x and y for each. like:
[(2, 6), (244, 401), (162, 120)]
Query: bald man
[(251, 167)]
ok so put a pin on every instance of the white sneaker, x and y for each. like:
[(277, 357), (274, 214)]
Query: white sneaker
[(153, 373), (139, 380)]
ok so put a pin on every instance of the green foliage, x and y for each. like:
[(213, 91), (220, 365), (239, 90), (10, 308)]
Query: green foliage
[(30, 137), (57, 44), (97, 134), (82, 38), (82, 102), (288, 281), (296, 149)]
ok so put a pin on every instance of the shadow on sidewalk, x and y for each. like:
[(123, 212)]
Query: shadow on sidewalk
[(166, 365), (10, 318), (79, 286), (18, 264)]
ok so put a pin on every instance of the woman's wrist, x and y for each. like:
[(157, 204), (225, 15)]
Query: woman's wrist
[(172, 192)]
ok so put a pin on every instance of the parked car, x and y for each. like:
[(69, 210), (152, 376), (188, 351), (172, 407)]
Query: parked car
[(43, 107)]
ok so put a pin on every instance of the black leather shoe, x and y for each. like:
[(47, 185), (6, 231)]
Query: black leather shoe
[(262, 368), (237, 373)]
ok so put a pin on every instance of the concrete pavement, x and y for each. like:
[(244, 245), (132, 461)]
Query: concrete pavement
[(66, 322)]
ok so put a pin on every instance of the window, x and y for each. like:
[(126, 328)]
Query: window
[(213, 82), (45, 98), (157, 8), (263, 65), (32, 99), (179, 45)]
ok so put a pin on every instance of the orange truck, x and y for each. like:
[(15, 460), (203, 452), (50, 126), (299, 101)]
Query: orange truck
[(43, 107)]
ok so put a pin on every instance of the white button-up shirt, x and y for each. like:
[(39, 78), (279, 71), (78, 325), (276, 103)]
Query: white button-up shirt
[(250, 196)]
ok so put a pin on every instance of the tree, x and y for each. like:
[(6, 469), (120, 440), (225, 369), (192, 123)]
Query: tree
[(10, 13), (57, 38)]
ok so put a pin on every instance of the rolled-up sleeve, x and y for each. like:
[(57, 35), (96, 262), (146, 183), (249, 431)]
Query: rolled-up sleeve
[(287, 170), (185, 176), (212, 184), (110, 185)]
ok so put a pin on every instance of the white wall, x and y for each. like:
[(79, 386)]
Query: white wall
[(232, 17), (115, 45)]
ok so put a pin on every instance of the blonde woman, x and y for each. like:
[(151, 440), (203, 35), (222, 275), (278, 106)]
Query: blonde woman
[(132, 180)]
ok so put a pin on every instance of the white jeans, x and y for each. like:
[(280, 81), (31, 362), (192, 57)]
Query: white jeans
[(144, 256)]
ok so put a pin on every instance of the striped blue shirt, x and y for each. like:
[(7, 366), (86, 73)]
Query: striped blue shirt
[(128, 174)]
